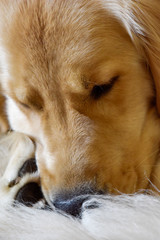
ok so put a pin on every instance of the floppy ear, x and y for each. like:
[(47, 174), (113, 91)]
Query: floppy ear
[(144, 21), (146, 13), (141, 19)]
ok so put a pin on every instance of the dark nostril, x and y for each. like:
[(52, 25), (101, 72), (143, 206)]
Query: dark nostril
[(71, 206)]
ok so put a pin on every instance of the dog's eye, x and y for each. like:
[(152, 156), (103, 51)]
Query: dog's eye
[(25, 105), (99, 90), (32, 106)]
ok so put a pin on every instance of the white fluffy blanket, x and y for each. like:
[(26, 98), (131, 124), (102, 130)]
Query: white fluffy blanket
[(115, 218)]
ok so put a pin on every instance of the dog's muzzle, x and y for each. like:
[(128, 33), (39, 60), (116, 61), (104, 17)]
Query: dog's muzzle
[(68, 202)]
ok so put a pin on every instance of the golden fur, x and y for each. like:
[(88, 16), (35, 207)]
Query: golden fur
[(55, 57), (4, 126)]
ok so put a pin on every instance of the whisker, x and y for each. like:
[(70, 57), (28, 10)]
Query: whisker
[(151, 155)]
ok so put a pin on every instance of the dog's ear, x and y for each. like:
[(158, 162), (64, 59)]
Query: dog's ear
[(141, 19), (146, 32), (144, 21)]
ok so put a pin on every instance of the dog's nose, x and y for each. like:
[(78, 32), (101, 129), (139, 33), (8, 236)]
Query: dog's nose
[(71, 206), (72, 202)]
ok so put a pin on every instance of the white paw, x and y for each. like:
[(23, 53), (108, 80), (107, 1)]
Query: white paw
[(20, 180)]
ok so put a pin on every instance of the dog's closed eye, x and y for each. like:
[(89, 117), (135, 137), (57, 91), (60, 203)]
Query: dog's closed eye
[(25, 105), (100, 90), (31, 106)]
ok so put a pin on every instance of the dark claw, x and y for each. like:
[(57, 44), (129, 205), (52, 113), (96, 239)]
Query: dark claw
[(14, 182)]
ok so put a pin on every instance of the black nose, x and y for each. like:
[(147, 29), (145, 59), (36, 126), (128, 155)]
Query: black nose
[(71, 206), (72, 202)]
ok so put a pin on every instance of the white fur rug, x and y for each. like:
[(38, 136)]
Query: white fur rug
[(115, 218)]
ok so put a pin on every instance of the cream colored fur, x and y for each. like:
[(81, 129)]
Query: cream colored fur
[(51, 65)]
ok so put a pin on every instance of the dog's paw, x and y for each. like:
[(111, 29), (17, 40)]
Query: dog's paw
[(29, 166), (24, 189), (29, 192), (15, 149), (20, 182)]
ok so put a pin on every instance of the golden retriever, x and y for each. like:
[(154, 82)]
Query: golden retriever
[(81, 78)]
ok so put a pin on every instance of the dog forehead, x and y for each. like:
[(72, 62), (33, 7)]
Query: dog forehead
[(50, 38), (61, 31)]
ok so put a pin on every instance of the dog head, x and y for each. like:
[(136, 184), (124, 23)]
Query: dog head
[(78, 77)]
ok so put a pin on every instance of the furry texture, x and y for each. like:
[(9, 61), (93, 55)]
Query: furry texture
[(77, 81), (79, 40), (120, 217)]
